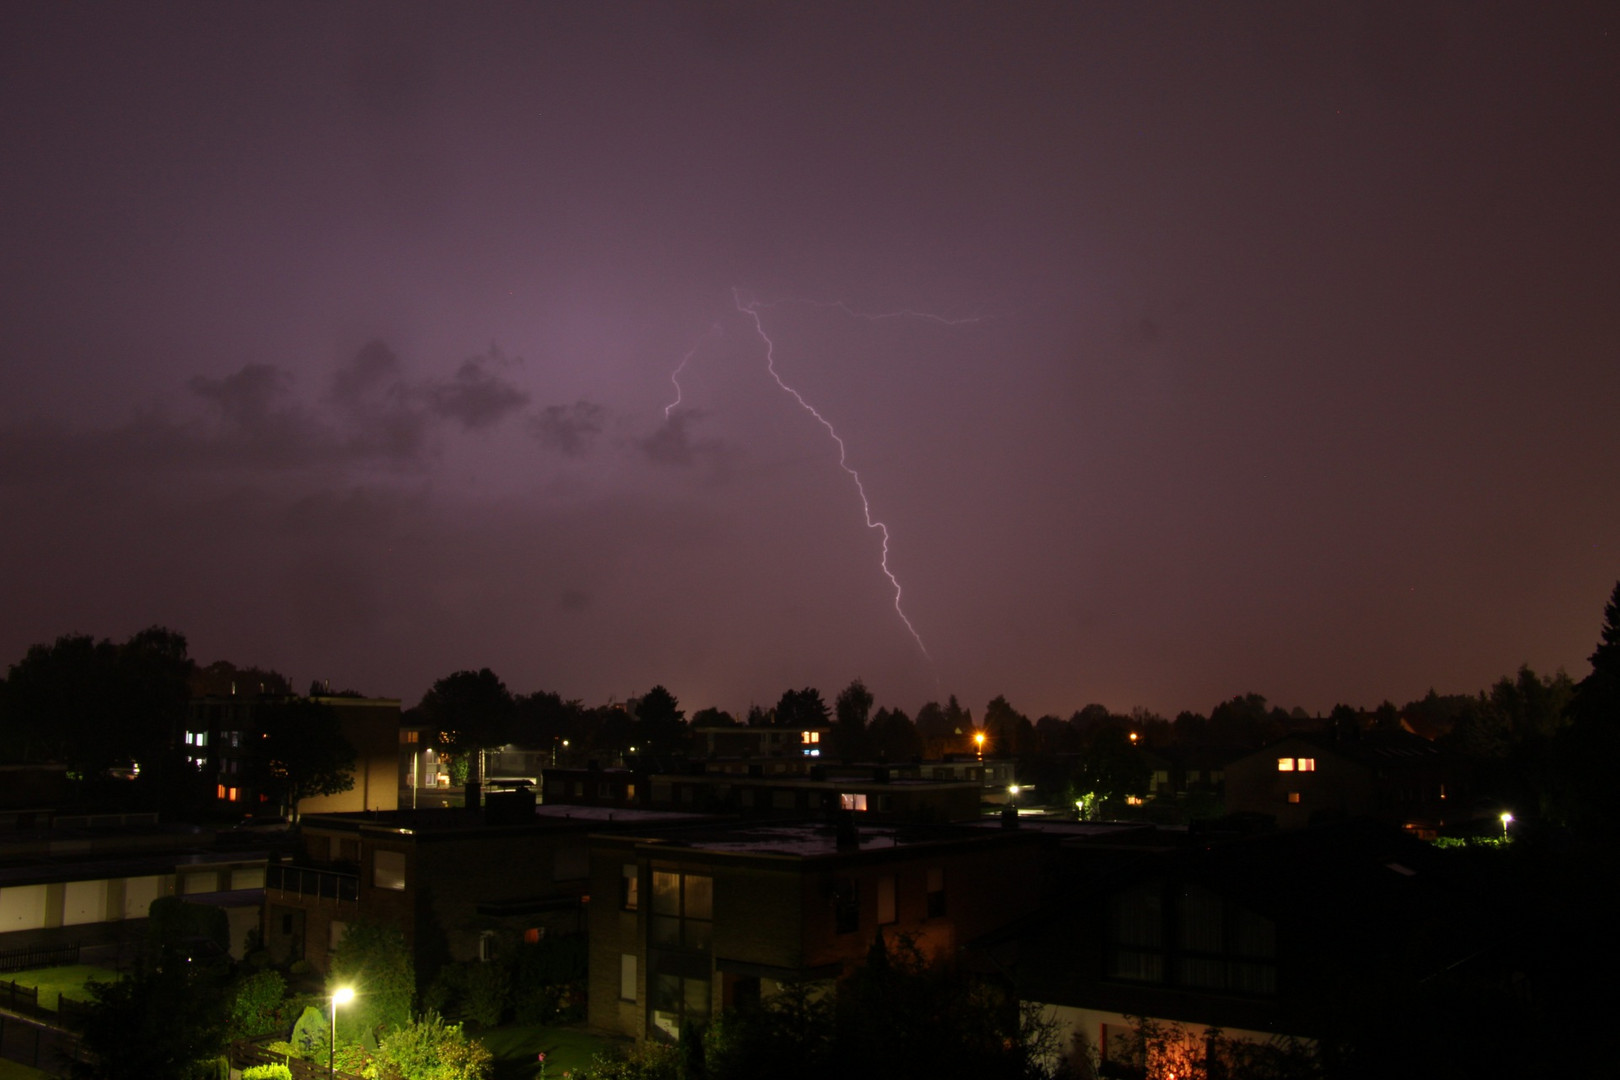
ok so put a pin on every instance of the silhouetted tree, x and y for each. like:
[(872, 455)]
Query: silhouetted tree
[(472, 711), (168, 1018), (660, 722), (298, 751), (92, 704), (894, 736), (801, 709), (1577, 782), (852, 711)]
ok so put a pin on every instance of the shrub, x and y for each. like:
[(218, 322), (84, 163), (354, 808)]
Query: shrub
[(255, 1004), (311, 1034), (489, 987), (267, 1072), (430, 1049)]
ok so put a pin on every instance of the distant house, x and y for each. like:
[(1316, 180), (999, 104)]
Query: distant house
[(693, 921), (1393, 776), (72, 882), (453, 880), (1260, 937), (887, 793), (219, 730)]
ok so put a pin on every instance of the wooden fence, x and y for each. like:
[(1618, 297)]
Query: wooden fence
[(24, 1001), (37, 957), (244, 1054)]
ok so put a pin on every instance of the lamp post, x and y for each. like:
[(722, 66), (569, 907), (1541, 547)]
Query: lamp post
[(1507, 819), (978, 739), (341, 995)]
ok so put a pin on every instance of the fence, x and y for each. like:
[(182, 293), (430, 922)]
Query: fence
[(38, 956), (244, 1054), (24, 1001)]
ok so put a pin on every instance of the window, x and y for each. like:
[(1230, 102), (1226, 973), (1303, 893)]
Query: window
[(629, 888), (1136, 933), (677, 1001), (334, 934), (852, 802), (388, 870), (1293, 798), (1306, 764), (412, 736), (682, 911), (846, 906), (627, 976), (486, 946), (936, 891), (810, 737), (1285, 764), (231, 794), (885, 900)]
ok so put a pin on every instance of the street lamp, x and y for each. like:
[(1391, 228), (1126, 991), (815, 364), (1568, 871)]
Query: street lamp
[(978, 738), (341, 995), (1507, 819)]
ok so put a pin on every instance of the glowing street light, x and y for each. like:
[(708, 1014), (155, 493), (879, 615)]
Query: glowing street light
[(978, 739), (1507, 819), (341, 995)]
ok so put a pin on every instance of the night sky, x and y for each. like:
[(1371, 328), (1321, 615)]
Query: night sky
[(1185, 350)]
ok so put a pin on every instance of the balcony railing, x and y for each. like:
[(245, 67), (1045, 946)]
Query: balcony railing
[(308, 881)]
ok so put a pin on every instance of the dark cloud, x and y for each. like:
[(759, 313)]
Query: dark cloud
[(673, 444), (568, 429), (246, 399), (378, 406), (476, 398)]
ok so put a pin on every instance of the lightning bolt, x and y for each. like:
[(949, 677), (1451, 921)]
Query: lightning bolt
[(751, 309), (675, 376)]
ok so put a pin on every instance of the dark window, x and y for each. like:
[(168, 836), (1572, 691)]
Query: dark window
[(936, 892), (846, 906)]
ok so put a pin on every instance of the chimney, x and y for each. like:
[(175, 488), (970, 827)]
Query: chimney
[(849, 838)]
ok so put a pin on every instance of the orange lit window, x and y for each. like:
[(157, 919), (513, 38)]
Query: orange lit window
[(852, 802), (531, 936), (1293, 798), (219, 792), (1285, 764), (1134, 800), (810, 736), (230, 794), (1306, 764)]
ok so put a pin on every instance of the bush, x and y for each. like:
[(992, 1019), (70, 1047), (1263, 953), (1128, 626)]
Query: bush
[(489, 987), (311, 1035), (256, 1003), (430, 1049), (267, 1072)]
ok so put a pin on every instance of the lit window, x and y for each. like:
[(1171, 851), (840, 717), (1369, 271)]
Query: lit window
[(1134, 800), (1306, 764), (388, 870), (1293, 798), (885, 900), (1285, 764), (230, 794), (810, 736), (627, 976), (852, 802), (219, 792), (812, 753), (630, 888)]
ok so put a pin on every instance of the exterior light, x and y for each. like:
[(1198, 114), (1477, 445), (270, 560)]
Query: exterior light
[(978, 739), (1134, 736), (1507, 819), (341, 995)]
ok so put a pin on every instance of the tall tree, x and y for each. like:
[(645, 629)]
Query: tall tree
[(91, 704), (852, 709), (1577, 786), (660, 722), (169, 1018), (801, 709), (300, 751), (473, 711)]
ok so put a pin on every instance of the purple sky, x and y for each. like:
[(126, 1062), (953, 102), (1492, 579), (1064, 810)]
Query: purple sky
[(1275, 346)]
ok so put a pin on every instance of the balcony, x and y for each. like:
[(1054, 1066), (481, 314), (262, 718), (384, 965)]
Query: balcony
[(306, 881)]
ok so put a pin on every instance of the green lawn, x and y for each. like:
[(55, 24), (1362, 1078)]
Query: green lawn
[(14, 1070), (53, 982), (516, 1048)]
